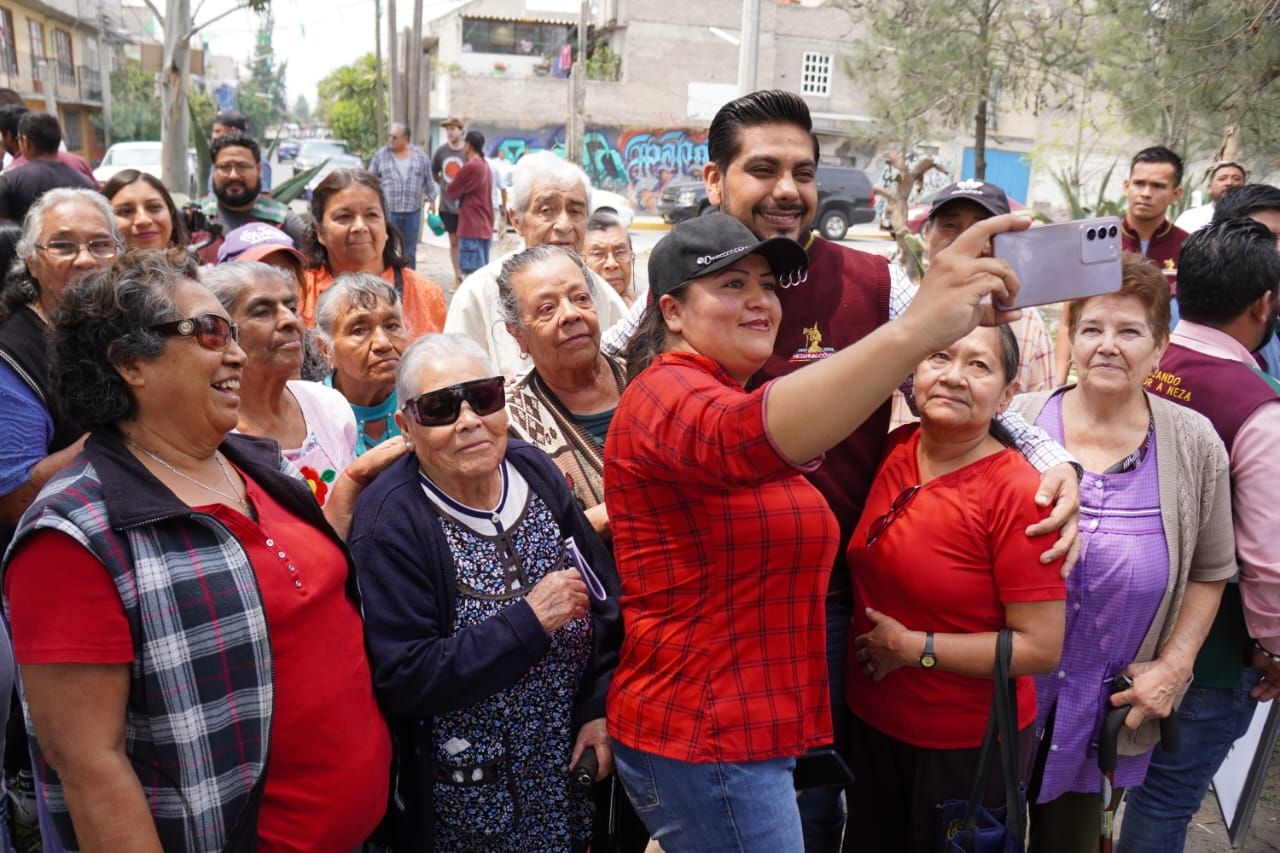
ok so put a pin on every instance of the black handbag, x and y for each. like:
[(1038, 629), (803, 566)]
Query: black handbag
[(967, 826)]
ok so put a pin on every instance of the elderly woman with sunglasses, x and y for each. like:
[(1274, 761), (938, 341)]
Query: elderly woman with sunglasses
[(493, 617), (203, 639), (67, 234), (941, 563)]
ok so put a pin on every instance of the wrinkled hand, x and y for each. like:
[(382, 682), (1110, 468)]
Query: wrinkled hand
[(1269, 687), (594, 733), (1060, 486), (1156, 687), (364, 468), (886, 647), (961, 287), (557, 598)]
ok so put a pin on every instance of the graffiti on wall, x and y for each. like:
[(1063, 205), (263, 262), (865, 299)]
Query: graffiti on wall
[(636, 162)]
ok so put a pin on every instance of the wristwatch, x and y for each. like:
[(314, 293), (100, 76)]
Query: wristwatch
[(928, 660)]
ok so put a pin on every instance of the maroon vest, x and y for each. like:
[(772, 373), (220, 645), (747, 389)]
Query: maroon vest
[(844, 299), (1224, 391)]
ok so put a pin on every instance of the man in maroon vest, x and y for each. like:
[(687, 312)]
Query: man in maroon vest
[(763, 170), (1230, 284)]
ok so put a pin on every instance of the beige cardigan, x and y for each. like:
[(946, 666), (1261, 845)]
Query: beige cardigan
[(1195, 508)]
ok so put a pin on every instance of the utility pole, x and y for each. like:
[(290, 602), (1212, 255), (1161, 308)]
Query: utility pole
[(394, 106), (576, 129), (749, 48), (379, 82), (419, 115), (104, 71)]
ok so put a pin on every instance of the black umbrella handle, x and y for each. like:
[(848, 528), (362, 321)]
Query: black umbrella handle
[(1112, 723)]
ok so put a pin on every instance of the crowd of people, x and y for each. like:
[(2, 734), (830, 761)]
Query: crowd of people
[(568, 564)]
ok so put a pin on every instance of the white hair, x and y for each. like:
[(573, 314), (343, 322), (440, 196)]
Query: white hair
[(357, 289), (33, 224), (230, 281), (545, 167), (429, 348)]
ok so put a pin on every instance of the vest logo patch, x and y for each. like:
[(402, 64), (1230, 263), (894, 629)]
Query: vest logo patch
[(813, 350), (1168, 384)]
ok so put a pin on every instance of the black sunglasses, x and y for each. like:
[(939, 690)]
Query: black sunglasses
[(443, 406), (211, 331), (897, 508)]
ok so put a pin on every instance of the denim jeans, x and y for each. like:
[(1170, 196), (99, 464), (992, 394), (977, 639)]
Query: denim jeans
[(410, 225), (821, 813), (1209, 720), (747, 807)]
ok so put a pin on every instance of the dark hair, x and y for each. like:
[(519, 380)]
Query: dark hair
[(1159, 154), (335, 182), (649, 340), (10, 115), (770, 106), (1223, 269), (104, 320), (42, 131), (235, 140), (1141, 279), (507, 301), (125, 177), (1010, 354), (475, 139), (1243, 201), (8, 97), (1228, 164), (603, 220), (231, 118)]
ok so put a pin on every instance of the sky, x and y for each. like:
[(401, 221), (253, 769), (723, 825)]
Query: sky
[(314, 36)]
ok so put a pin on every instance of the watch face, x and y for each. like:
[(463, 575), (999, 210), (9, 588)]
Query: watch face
[(928, 661)]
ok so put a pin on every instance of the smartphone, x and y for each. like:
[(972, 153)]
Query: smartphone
[(822, 768), (1063, 261)]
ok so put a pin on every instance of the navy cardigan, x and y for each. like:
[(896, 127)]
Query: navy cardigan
[(408, 582)]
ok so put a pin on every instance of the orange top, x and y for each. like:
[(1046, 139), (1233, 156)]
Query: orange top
[(423, 302)]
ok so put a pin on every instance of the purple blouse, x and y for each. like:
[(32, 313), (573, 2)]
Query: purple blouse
[(1112, 596)]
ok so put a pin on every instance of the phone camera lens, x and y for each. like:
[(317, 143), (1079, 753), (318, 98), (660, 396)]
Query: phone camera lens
[(1090, 234), (1112, 231)]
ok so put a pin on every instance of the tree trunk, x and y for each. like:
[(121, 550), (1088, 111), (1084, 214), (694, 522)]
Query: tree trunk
[(379, 79), (419, 112), (175, 118), (980, 140), (396, 103)]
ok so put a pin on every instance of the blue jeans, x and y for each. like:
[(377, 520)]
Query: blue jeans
[(410, 225), (821, 813), (1210, 720), (473, 253), (721, 807)]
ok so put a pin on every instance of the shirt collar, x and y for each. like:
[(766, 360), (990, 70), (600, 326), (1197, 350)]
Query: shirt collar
[(1165, 227), (1211, 341)]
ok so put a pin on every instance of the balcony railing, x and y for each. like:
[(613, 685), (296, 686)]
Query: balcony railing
[(30, 75)]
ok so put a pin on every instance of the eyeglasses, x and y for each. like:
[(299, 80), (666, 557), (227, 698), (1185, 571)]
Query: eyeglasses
[(621, 254), (444, 405), (211, 331), (64, 250), (897, 508), (241, 167)]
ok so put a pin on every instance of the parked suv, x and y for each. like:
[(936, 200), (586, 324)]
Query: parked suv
[(844, 199)]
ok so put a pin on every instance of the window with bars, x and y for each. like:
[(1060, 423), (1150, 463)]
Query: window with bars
[(65, 58), (815, 76), (8, 43)]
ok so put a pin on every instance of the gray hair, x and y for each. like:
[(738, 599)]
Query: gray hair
[(353, 289), (34, 222), (603, 220), (545, 167), (229, 282), (429, 348), (397, 127), (507, 300)]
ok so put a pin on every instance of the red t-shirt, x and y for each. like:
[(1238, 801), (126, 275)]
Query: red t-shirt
[(723, 550), (949, 563), (330, 750)]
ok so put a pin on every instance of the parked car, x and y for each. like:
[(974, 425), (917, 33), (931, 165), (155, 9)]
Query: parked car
[(612, 203), (844, 199), (145, 157), (287, 149), (335, 161), (313, 152)]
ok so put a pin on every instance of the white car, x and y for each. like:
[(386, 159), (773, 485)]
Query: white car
[(145, 157), (612, 203)]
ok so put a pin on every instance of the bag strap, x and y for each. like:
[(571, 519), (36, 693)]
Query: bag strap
[(1002, 726)]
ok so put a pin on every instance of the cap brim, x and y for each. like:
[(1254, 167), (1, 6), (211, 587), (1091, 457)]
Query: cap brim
[(983, 203), (786, 258), (257, 253)]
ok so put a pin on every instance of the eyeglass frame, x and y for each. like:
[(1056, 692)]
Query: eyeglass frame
[(613, 253), (460, 393), (87, 246), (234, 168), (189, 327), (878, 527)]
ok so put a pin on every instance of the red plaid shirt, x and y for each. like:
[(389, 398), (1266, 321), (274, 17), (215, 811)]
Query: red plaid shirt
[(724, 551)]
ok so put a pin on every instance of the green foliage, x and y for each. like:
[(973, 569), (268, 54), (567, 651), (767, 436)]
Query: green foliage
[(287, 191), (1195, 75), (262, 96), (346, 99), (1080, 209), (604, 64), (135, 104), (302, 109)]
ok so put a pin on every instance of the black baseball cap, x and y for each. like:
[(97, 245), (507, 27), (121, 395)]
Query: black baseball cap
[(981, 193), (707, 244)]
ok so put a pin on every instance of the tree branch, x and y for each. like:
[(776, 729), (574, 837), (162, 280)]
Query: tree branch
[(152, 6), (195, 28)]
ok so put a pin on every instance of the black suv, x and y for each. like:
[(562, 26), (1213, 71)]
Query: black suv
[(844, 199)]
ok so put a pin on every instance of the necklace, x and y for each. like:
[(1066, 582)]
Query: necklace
[(234, 496)]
